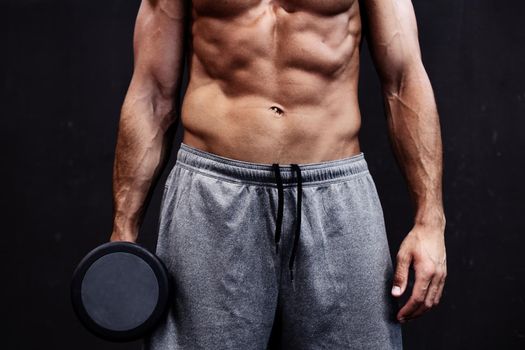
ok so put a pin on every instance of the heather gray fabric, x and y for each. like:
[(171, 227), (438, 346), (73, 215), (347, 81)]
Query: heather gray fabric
[(233, 291)]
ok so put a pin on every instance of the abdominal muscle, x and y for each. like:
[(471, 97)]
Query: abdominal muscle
[(274, 81)]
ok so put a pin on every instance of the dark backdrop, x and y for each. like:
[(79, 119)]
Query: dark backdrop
[(66, 66)]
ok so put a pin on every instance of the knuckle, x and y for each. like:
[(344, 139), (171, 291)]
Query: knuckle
[(429, 304), (428, 270), (440, 272), (418, 299), (400, 275), (402, 258)]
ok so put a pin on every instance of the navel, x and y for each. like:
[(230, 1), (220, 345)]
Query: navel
[(276, 110)]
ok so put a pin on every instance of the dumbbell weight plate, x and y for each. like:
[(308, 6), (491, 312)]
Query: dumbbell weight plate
[(120, 291)]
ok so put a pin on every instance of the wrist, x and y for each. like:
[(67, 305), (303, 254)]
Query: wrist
[(124, 231), (434, 218)]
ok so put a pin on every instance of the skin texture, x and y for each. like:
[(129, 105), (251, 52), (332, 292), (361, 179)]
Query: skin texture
[(276, 82)]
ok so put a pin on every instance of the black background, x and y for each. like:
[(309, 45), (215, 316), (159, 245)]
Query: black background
[(66, 66)]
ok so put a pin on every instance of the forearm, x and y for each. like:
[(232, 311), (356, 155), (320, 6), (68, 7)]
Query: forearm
[(144, 140), (148, 117), (415, 134)]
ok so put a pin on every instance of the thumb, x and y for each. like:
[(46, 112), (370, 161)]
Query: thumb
[(401, 274)]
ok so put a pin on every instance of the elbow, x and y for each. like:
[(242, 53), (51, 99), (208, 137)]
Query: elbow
[(164, 108), (153, 100), (398, 77), (162, 99)]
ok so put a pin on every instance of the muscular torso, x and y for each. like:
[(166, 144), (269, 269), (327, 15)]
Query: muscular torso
[(274, 81)]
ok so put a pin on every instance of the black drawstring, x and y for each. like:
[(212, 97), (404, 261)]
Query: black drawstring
[(279, 222), (278, 225), (298, 221)]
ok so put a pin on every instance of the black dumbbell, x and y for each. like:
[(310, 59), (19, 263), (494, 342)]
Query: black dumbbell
[(120, 291)]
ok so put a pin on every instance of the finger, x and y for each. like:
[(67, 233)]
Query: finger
[(440, 289), (416, 301), (429, 298), (401, 274), (433, 290), (423, 276)]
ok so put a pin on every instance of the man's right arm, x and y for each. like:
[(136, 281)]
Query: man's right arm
[(148, 116)]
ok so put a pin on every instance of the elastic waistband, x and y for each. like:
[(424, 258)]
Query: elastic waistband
[(262, 173)]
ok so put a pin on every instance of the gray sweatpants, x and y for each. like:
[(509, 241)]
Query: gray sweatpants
[(274, 256)]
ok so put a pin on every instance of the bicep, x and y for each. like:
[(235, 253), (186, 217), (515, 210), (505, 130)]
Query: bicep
[(392, 37), (159, 43)]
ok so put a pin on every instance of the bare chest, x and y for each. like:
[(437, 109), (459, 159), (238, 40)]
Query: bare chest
[(226, 8)]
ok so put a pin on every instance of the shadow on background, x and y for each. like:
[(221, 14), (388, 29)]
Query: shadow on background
[(66, 66)]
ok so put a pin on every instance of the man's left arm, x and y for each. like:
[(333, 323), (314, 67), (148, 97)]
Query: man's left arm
[(414, 129)]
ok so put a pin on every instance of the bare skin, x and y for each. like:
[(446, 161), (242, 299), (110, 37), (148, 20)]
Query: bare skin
[(276, 82)]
